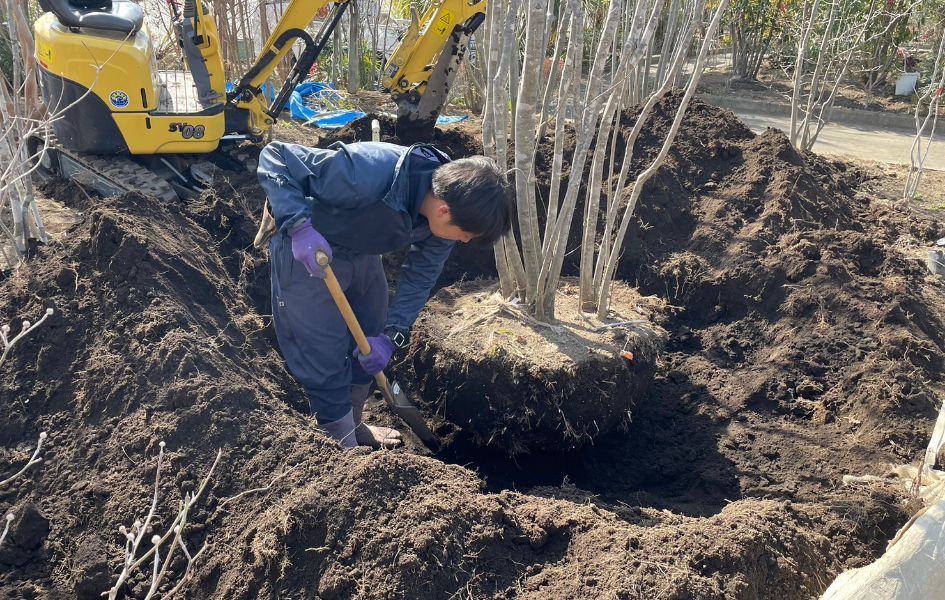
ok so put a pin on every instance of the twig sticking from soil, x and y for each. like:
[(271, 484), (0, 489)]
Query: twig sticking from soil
[(136, 533), (32, 461), (8, 343), (6, 527), (259, 489)]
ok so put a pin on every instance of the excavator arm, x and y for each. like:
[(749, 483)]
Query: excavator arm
[(418, 75), (424, 63), (291, 27)]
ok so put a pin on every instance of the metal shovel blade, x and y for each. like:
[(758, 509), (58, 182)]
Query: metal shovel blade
[(403, 408)]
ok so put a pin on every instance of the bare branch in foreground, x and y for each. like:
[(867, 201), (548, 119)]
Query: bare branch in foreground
[(135, 534), (34, 459), (8, 342)]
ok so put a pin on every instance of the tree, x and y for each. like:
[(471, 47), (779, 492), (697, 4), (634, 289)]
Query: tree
[(22, 122), (618, 67), (883, 48), (831, 32), (926, 119), (354, 47), (753, 25)]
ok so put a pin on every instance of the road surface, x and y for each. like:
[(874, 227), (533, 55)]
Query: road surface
[(882, 145)]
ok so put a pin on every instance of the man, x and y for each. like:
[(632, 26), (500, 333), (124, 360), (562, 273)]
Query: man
[(355, 202)]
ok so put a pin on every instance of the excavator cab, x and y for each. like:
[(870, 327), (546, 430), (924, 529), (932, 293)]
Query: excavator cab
[(120, 16), (98, 65)]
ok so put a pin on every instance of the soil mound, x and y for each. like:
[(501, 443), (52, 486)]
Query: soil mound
[(807, 344), (456, 140), (154, 340)]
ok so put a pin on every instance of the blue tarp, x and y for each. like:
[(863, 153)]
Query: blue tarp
[(446, 120), (334, 119), (311, 92)]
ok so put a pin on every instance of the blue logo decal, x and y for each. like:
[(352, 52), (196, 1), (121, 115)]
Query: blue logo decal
[(119, 99)]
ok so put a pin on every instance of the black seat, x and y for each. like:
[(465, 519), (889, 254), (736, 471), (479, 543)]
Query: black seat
[(124, 17)]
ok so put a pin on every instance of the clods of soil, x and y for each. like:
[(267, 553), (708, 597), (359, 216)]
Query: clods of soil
[(805, 343)]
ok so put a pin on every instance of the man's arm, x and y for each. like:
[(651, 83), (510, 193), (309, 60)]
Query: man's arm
[(417, 277)]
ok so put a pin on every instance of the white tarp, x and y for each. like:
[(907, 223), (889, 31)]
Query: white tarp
[(913, 567)]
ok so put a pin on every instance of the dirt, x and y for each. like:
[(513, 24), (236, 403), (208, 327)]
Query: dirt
[(522, 386), (772, 86), (806, 343), (887, 181)]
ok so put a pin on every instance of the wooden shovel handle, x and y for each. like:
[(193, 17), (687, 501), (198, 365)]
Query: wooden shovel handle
[(334, 288), (339, 296)]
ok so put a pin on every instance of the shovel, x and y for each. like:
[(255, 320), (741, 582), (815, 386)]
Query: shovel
[(393, 394)]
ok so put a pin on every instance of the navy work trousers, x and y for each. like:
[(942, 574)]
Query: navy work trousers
[(312, 334)]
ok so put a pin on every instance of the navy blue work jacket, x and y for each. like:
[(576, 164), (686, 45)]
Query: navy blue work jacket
[(364, 198)]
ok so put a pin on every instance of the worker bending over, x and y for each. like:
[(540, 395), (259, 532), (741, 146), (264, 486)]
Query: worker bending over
[(355, 202)]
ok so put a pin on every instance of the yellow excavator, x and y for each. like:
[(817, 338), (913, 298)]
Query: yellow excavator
[(124, 124)]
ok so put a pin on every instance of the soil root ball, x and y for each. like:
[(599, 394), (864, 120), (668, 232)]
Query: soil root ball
[(510, 381)]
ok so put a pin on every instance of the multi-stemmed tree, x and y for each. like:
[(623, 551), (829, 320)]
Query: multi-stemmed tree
[(592, 89)]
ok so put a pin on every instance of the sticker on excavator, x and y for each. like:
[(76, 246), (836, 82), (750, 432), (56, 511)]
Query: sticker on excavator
[(43, 51), (119, 99), (187, 130), (444, 23)]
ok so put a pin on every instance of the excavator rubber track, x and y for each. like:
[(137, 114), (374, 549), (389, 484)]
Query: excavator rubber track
[(106, 175), (111, 175)]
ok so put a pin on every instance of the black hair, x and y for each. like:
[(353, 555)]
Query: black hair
[(477, 195)]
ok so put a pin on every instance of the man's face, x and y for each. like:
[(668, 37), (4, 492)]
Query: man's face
[(442, 227)]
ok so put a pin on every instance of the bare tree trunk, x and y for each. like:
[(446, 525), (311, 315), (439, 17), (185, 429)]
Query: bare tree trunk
[(816, 91), (683, 41), (672, 21), (611, 266), (568, 90), (495, 23), (234, 27), (526, 108), (925, 126), (799, 67), (592, 202), (553, 259), (597, 98), (634, 55), (247, 36), (336, 54), (354, 47), (753, 24), (506, 250), (554, 74), (492, 26), (264, 30)]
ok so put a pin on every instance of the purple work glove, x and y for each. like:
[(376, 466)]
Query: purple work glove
[(382, 348), (305, 242)]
